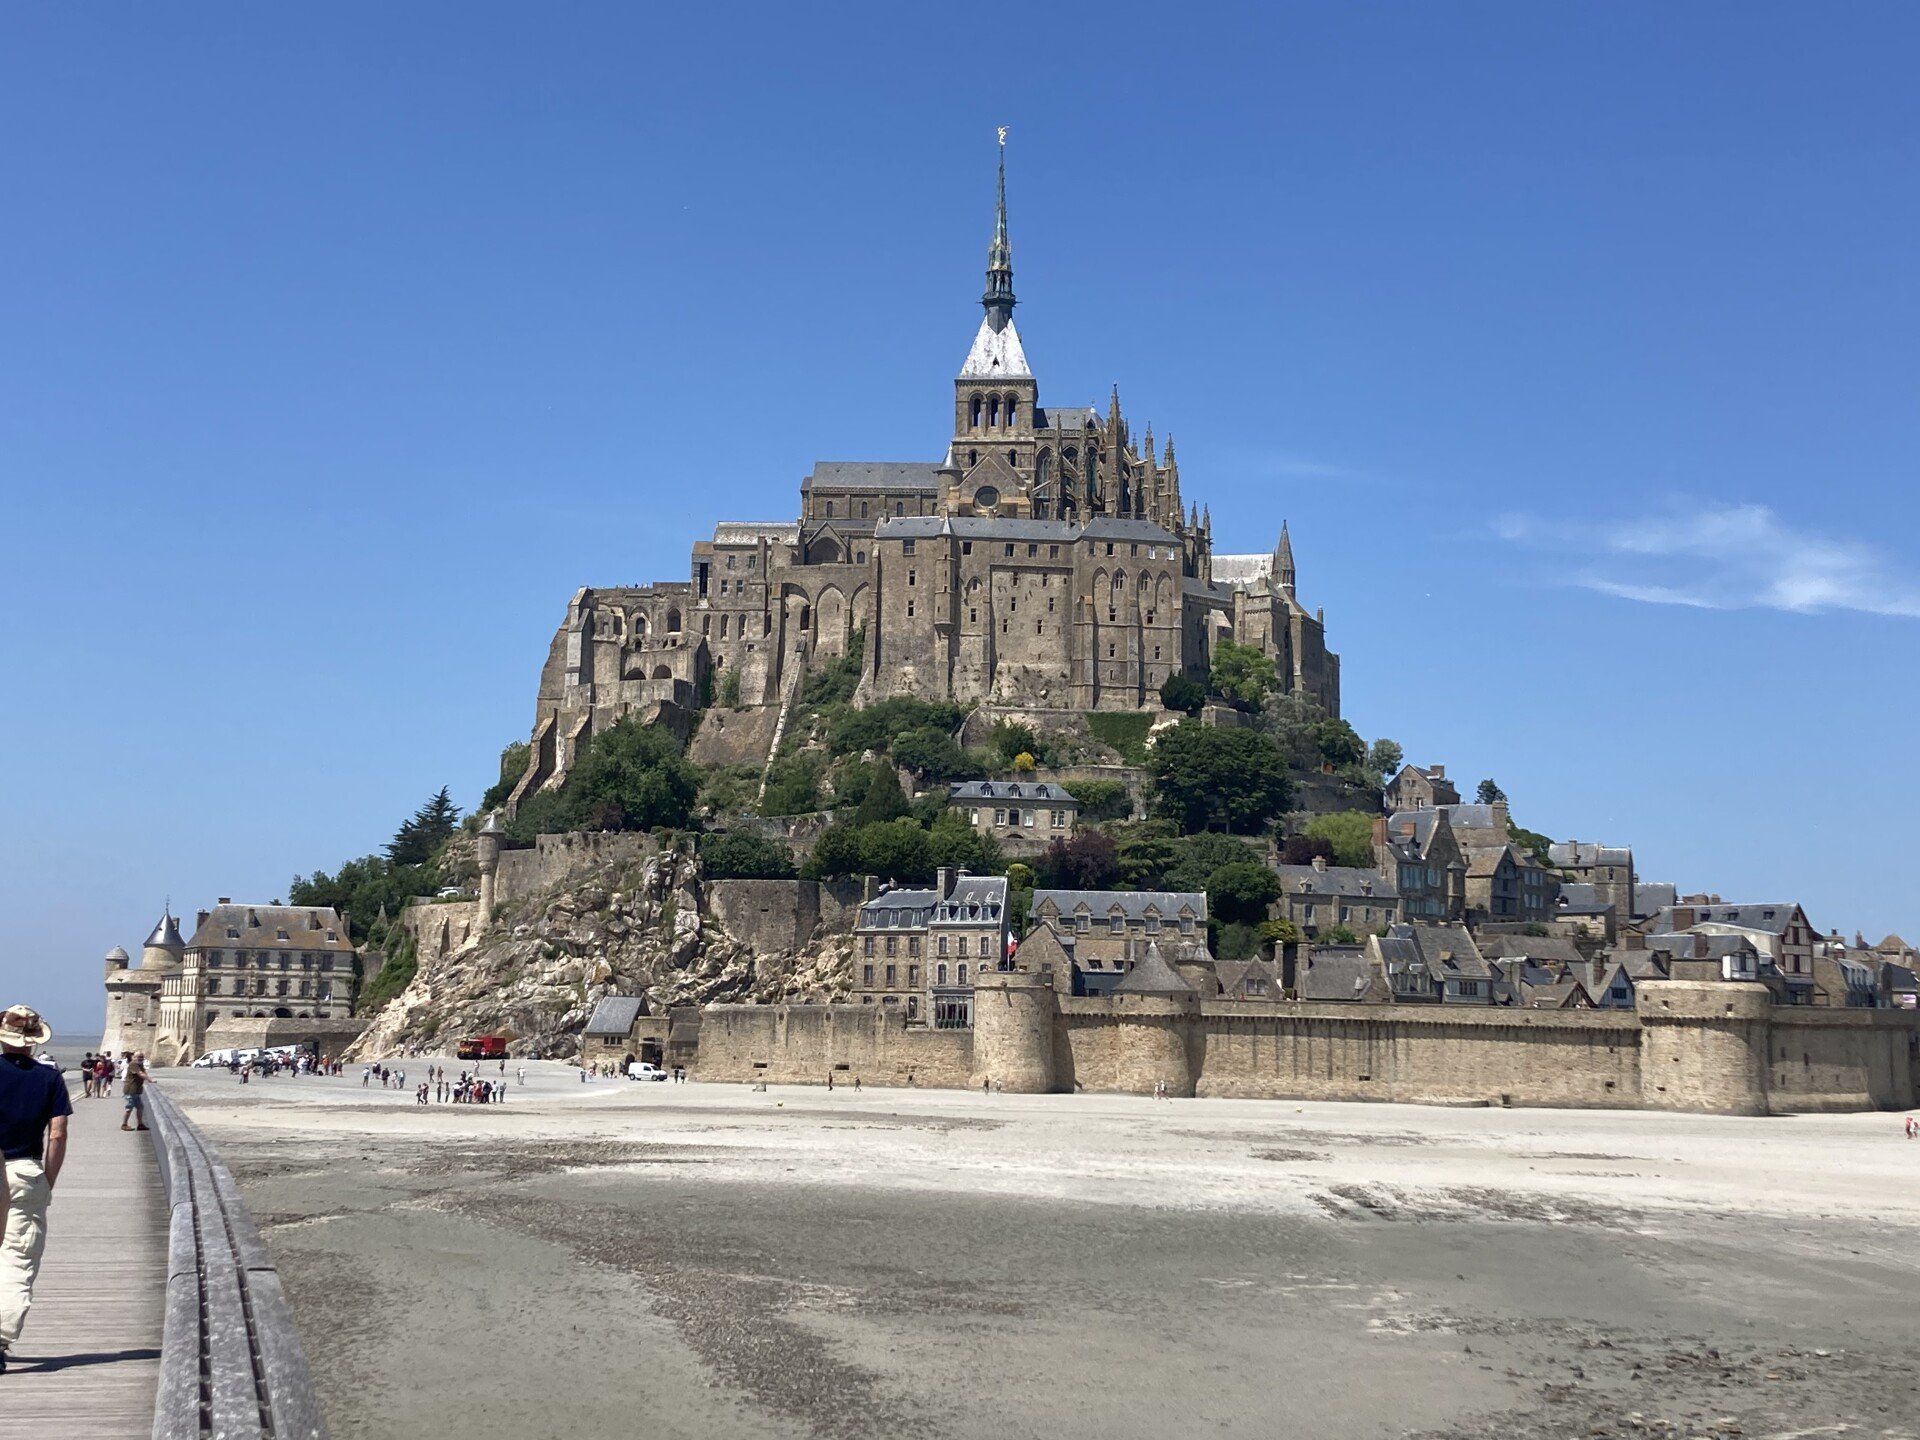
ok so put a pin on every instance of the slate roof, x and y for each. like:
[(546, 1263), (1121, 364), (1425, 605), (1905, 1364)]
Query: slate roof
[(1043, 790), (1580, 897), (1077, 417), (166, 933), (1134, 904), (1469, 817), (1335, 975), (974, 898), (1900, 978), (614, 1015), (1651, 896), (255, 927), (1553, 949), (905, 909), (873, 475), (1580, 854), (1772, 917), (1347, 881), (1153, 976)]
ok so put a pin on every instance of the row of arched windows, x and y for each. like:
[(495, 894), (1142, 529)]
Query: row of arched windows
[(994, 411)]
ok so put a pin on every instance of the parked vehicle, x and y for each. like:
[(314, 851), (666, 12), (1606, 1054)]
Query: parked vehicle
[(645, 1070), (482, 1047)]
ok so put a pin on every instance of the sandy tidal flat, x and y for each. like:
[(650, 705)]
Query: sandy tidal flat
[(628, 1259)]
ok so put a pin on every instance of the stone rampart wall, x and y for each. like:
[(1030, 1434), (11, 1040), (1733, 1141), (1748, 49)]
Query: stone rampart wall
[(555, 860), (1428, 1053), (332, 1036), (802, 1044), (1840, 1060), (783, 916)]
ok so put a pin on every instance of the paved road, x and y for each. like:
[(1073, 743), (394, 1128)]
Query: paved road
[(90, 1356)]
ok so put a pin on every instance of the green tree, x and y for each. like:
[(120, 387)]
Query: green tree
[(632, 777), (1279, 932), (1147, 854), (1243, 675), (422, 833), (935, 756), (954, 842), (1201, 855), (1183, 693), (513, 764), (1240, 892), (1385, 758), (1338, 742), (1305, 849), (836, 854), (884, 799), (1219, 779), (793, 784), (1489, 793), (897, 850), (1100, 799), (726, 692), (1009, 739), (1340, 935), (743, 855), (1350, 833)]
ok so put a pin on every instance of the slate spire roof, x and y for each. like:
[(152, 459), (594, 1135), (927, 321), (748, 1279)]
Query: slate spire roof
[(1153, 976)]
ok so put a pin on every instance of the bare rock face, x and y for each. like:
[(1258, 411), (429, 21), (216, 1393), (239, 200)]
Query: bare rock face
[(633, 927)]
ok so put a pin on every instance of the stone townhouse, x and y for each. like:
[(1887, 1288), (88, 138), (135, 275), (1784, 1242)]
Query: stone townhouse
[(1784, 934), (1105, 933), (1047, 560), (1438, 964), (1505, 884), (1419, 850), (1580, 912), (919, 949), (1421, 788), (1607, 869), (1319, 898), (1022, 815)]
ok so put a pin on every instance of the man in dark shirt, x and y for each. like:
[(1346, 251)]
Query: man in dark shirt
[(34, 1107)]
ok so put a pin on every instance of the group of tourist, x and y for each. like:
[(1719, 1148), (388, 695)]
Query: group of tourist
[(98, 1074), (389, 1078), (467, 1090)]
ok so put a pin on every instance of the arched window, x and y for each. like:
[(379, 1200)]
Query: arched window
[(673, 622), (1042, 469), (1013, 410), (899, 507), (1117, 596), (829, 509), (940, 974), (1013, 457), (974, 413), (993, 410), (973, 458)]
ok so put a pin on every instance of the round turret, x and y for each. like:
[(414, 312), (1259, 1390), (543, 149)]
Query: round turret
[(1154, 1010), (1013, 1022), (1704, 1045), (117, 959), (164, 949)]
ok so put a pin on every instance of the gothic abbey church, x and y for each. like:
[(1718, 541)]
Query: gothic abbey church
[(1048, 562)]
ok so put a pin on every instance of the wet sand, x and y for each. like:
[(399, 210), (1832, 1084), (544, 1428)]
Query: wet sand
[(657, 1260)]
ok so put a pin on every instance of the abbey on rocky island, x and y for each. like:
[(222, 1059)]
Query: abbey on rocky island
[(1048, 562)]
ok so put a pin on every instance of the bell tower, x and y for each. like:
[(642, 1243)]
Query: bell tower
[(990, 463)]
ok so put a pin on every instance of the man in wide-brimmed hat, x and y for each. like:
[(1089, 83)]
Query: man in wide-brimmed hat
[(33, 1136)]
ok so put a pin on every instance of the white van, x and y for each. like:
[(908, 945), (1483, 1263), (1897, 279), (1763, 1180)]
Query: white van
[(645, 1070)]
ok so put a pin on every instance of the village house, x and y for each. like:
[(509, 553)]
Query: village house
[(1415, 788), (1505, 883), (1606, 869), (1782, 933), (1105, 933), (1320, 898), (1022, 815), (1418, 849), (1432, 963), (919, 948)]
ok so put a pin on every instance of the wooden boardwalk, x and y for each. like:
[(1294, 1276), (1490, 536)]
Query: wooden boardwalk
[(87, 1363)]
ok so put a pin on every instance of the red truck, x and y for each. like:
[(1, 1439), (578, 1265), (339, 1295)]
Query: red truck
[(482, 1047)]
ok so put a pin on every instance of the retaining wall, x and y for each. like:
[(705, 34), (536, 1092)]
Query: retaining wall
[(804, 1043)]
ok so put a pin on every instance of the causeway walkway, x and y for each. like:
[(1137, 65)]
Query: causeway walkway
[(89, 1360)]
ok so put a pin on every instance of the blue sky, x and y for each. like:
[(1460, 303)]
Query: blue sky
[(343, 343)]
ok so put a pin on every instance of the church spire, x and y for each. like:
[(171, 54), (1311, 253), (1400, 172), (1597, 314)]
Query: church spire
[(1283, 559), (999, 299)]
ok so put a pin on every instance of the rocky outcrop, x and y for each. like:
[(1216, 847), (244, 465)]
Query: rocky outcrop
[(631, 927)]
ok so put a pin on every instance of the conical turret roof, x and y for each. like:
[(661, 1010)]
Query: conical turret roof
[(166, 933), (1153, 976)]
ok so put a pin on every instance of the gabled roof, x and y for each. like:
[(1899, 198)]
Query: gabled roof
[(1770, 917), (1342, 974), (873, 475), (974, 898), (1346, 881), (1553, 949), (613, 1017), (1133, 904), (1581, 854), (246, 927), (1153, 976), (1040, 790)]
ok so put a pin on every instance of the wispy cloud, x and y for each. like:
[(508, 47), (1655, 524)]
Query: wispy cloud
[(1721, 557)]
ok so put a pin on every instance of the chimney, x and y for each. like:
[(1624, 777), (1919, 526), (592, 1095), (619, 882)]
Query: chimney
[(201, 917), (868, 888), (944, 881), (224, 900), (1436, 772), (1500, 820), (1320, 862), (1379, 830)]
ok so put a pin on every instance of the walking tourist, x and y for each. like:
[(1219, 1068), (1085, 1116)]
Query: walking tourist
[(86, 1075), (134, 1087), (34, 1107)]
